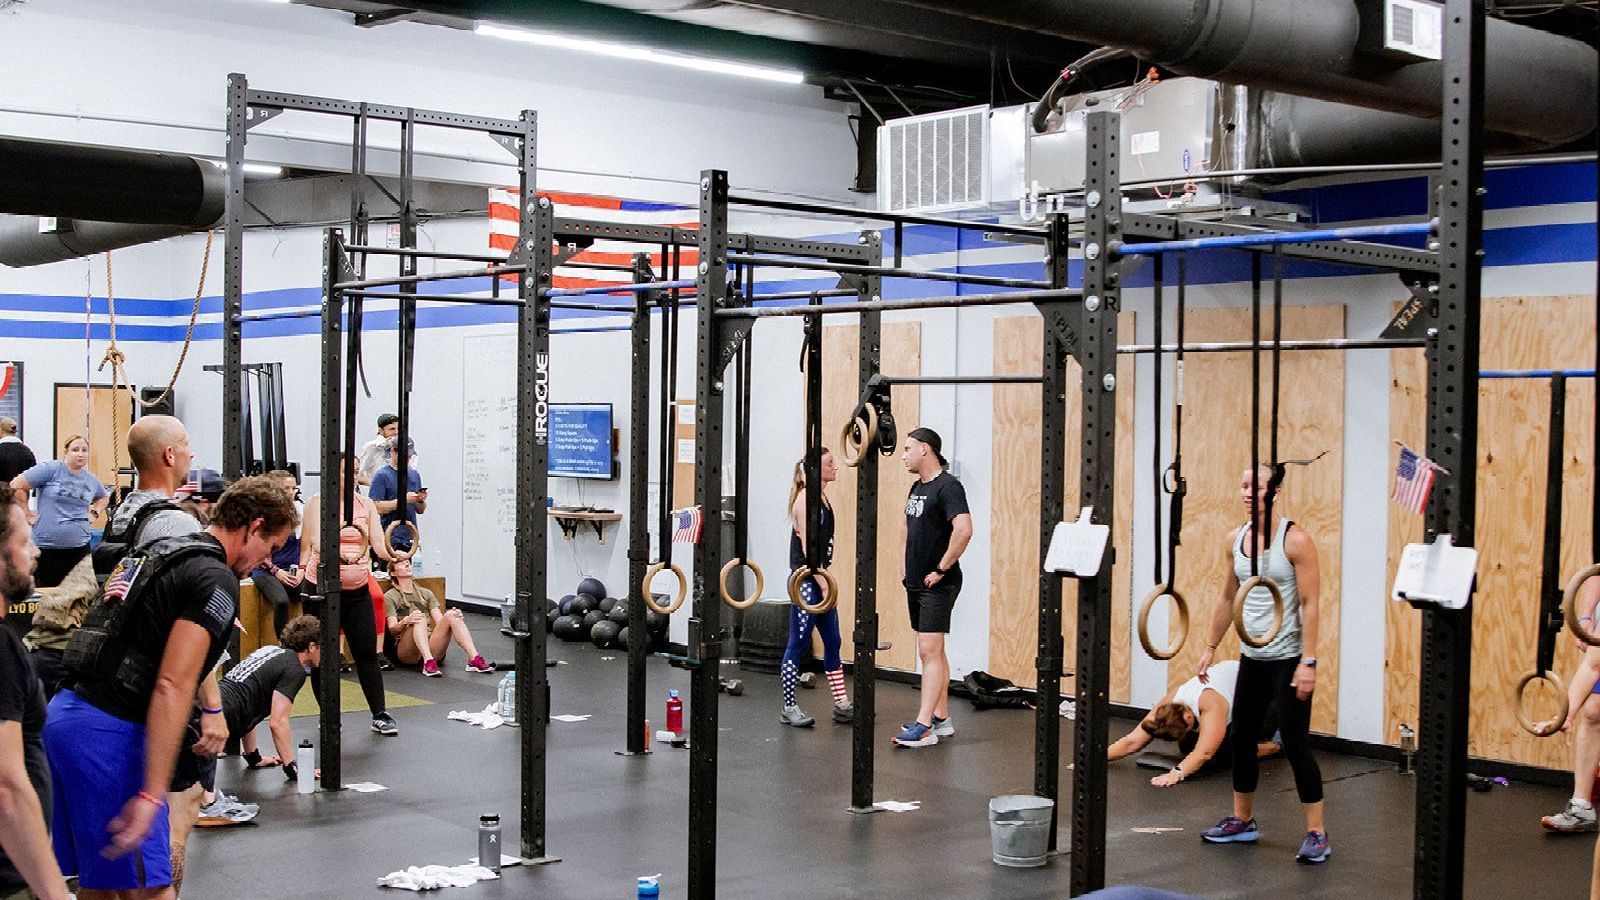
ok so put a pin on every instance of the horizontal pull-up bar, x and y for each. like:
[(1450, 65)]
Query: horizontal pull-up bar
[(1274, 238), (591, 306), (423, 254), (886, 271), (281, 316), (1536, 373), (772, 312), (591, 330), (962, 379), (1317, 344), (437, 276), (619, 288), (436, 298), (901, 218), (803, 295)]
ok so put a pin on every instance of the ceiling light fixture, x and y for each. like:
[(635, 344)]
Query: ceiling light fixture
[(644, 54)]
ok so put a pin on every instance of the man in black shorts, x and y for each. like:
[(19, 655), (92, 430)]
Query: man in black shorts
[(938, 529)]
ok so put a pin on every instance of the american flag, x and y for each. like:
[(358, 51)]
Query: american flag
[(122, 579), (1413, 480), (686, 525), (504, 221)]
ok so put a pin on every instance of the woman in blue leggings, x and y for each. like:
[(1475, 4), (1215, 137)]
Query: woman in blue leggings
[(801, 622)]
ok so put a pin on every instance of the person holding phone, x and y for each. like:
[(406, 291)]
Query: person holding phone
[(279, 580), (385, 494)]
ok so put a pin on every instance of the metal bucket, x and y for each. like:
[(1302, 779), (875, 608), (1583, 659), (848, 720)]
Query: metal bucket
[(1019, 830)]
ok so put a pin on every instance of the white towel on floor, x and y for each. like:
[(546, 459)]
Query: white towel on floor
[(486, 720), (428, 878)]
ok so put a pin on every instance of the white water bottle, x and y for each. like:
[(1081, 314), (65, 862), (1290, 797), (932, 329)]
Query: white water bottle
[(305, 763)]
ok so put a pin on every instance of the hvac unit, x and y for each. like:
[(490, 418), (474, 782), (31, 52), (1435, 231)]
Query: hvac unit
[(934, 162)]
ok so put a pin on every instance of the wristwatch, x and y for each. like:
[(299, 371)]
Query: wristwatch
[(1178, 771), (941, 571), (1309, 662)]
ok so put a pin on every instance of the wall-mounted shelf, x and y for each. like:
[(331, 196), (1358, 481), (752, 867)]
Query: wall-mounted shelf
[(571, 519)]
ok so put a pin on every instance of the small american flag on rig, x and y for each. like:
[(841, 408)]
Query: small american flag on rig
[(686, 525), (1413, 480)]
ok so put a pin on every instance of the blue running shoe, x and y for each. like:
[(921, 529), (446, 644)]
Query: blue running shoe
[(1232, 831), (916, 735), (1314, 849)]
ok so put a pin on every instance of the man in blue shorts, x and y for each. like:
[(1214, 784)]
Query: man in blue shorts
[(114, 731)]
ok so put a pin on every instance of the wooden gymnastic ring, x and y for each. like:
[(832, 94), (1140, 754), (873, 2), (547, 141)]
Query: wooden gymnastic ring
[(830, 591), (1251, 584), (1569, 602), (366, 542), (1526, 721), (1179, 605), (650, 600), (754, 596), (388, 542), (852, 450)]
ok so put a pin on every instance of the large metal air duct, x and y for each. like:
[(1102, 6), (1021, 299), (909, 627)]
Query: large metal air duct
[(1539, 86), (98, 184), (24, 242)]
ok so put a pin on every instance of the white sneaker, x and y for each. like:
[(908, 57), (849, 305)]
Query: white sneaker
[(1574, 819)]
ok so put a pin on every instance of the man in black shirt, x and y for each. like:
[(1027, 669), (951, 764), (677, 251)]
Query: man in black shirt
[(15, 457), (25, 858), (113, 740), (938, 528)]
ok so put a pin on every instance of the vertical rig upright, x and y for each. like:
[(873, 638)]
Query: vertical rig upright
[(535, 246), (1096, 350), (866, 630), (638, 499), (334, 270), (1441, 815), (705, 631), (233, 280)]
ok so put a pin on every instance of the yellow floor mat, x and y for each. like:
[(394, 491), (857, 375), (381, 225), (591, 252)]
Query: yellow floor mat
[(350, 699)]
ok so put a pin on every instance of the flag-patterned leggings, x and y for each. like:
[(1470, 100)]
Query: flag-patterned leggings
[(800, 625)]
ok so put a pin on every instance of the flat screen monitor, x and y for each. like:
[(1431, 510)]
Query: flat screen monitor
[(580, 441)]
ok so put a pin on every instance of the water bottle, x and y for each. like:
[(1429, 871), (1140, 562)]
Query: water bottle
[(305, 760), (649, 886), (511, 699), (489, 843), (674, 713), (1408, 750), (502, 697)]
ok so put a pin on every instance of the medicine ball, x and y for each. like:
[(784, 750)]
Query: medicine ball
[(565, 606), (622, 637), (592, 587), (590, 619), (584, 604), (604, 634), (618, 613), (655, 621), (567, 628), (606, 603), (552, 611)]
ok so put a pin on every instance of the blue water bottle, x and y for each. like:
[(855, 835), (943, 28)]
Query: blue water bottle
[(650, 887)]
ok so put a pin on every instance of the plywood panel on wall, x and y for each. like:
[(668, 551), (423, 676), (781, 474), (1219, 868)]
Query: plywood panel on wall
[(1518, 333), (901, 352), (683, 454), (1014, 514), (108, 412), (1216, 436)]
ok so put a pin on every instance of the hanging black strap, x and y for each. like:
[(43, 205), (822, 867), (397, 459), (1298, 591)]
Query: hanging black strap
[(669, 379), (813, 546), (1157, 290), (1550, 583), (1173, 481), (1255, 403), (1275, 480)]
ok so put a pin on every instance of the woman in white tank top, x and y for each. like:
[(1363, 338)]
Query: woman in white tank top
[(1284, 671), (1206, 706)]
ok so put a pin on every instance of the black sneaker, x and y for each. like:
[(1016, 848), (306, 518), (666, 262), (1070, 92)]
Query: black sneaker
[(844, 714), (383, 723)]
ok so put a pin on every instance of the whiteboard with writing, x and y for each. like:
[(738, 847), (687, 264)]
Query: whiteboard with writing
[(488, 466)]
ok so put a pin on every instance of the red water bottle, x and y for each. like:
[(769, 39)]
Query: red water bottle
[(674, 713)]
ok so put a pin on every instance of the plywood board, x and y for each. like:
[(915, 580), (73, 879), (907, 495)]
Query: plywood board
[(1216, 435), (1014, 513), (109, 416), (1518, 333), (901, 353), (683, 418)]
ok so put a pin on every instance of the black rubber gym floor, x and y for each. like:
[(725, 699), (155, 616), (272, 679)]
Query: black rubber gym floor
[(782, 819)]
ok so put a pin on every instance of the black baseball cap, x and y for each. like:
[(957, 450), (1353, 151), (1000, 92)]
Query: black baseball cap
[(387, 419), (931, 438)]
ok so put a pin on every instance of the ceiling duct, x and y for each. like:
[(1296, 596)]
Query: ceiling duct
[(32, 241), (40, 178), (1539, 86)]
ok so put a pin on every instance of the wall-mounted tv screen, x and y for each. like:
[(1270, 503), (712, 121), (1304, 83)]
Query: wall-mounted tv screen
[(580, 441)]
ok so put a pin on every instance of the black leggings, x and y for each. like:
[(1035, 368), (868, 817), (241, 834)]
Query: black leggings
[(361, 633), (270, 590), (1260, 683), (55, 563)]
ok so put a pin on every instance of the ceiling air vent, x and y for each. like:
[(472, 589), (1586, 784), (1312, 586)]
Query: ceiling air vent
[(934, 162)]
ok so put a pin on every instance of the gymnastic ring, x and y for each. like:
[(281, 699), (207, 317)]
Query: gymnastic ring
[(650, 600), (1569, 602), (1526, 721), (830, 591), (852, 450), (388, 542), (1179, 605), (1251, 584), (754, 596), (366, 541)]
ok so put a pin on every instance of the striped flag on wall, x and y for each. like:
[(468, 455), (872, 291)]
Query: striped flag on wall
[(686, 525), (504, 223), (1413, 480)]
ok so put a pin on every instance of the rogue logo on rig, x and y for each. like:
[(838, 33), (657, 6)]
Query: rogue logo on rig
[(541, 398)]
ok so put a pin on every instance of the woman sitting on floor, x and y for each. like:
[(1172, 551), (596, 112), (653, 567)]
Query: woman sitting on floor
[(419, 631)]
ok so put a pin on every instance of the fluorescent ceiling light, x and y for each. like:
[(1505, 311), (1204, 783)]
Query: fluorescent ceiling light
[(645, 54), (262, 169)]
